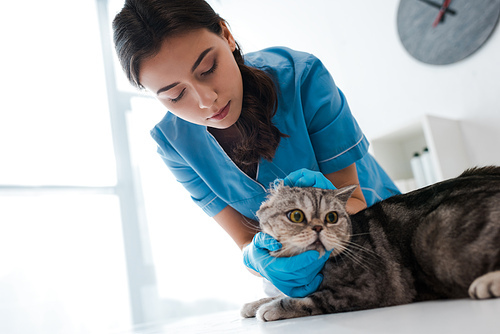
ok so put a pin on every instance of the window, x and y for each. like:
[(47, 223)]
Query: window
[(62, 256)]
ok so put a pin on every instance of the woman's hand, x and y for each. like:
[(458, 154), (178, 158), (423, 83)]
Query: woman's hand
[(296, 276), (308, 178)]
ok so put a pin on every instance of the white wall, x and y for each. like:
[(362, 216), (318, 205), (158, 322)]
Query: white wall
[(385, 87)]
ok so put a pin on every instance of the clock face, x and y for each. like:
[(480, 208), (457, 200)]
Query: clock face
[(442, 32)]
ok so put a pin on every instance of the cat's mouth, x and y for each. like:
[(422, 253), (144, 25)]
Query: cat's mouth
[(318, 246), (318, 243)]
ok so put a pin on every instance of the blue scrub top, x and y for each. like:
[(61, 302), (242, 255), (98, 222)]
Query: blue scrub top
[(324, 137)]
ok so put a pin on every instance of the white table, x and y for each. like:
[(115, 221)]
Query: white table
[(447, 317)]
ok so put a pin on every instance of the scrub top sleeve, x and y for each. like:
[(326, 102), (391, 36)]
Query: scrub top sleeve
[(201, 194), (335, 135)]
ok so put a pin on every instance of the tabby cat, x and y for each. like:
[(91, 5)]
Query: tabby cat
[(438, 242)]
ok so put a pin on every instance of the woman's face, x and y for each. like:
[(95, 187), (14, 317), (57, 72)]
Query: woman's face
[(196, 77)]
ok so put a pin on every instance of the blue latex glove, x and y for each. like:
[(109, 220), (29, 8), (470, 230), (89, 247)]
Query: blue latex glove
[(296, 276), (308, 178)]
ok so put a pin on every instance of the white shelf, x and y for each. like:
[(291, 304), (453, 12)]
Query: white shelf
[(443, 138)]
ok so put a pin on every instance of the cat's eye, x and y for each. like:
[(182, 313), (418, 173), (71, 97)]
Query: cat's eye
[(331, 217), (295, 216)]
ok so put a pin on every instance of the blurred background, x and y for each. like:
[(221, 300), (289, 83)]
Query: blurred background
[(96, 236)]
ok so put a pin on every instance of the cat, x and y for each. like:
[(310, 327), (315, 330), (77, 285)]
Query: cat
[(438, 242)]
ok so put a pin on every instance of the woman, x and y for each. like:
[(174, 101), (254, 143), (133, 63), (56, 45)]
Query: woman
[(235, 125)]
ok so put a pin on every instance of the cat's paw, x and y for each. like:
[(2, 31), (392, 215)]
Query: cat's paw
[(285, 308), (271, 311), (249, 310), (486, 286)]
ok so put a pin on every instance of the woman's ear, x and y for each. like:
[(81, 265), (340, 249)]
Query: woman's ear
[(226, 34)]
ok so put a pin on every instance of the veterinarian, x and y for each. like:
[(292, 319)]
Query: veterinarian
[(234, 125)]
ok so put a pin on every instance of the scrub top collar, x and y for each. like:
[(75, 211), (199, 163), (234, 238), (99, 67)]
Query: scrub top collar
[(233, 167)]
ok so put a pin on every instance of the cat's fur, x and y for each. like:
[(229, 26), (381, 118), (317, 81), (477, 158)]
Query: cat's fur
[(442, 241)]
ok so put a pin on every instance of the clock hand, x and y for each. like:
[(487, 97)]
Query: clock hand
[(442, 10), (437, 5)]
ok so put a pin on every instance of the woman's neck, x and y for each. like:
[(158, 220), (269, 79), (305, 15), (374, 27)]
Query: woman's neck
[(228, 139)]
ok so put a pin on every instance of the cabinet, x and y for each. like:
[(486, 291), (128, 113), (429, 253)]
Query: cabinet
[(442, 137)]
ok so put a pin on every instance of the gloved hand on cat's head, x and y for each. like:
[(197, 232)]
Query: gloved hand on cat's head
[(307, 178), (296, 276)]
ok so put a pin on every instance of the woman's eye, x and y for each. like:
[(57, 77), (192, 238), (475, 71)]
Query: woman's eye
[(295, 216), (331, 217), (178, 97), (211, 70)]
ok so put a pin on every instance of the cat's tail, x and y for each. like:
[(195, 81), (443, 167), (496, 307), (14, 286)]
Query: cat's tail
[(482, 171)]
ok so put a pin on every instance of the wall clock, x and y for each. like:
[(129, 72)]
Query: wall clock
[(442, 32)]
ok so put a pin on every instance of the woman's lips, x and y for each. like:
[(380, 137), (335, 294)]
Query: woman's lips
[(221, 114)]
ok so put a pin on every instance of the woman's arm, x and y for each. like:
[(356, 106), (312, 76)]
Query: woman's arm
[(240, 228), (346, 177)]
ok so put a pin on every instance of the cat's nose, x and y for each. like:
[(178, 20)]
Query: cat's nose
[(317, 228)]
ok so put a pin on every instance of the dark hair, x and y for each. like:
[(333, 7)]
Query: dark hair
[(141, 27)]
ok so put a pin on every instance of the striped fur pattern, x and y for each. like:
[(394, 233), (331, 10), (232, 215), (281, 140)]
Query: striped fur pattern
[(438, 242)]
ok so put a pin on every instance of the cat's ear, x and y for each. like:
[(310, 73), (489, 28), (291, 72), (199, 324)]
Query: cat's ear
[(274, 189), (343, 194), (276, 185)]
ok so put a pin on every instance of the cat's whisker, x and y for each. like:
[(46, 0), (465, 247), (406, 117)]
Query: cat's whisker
[(273, 259), (361, 248), (303, 239), (360, 259), (357, 253), (250, 225), (362, 251), (353, 257), (357, 234)]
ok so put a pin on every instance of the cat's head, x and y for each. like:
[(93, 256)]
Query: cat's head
[(307, 219)]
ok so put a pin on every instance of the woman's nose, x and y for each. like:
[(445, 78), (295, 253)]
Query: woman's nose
[(206, 96)]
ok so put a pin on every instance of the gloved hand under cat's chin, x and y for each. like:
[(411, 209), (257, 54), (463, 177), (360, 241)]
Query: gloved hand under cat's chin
[(296, 276), (307, 178)]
